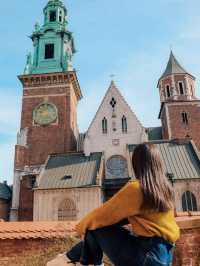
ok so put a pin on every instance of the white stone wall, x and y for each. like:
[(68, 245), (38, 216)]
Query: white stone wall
[(15, 196), (192, 185), (114, 142), (47, 202)]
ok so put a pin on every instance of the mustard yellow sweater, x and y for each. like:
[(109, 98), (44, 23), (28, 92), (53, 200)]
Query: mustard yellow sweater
[(126, 204)]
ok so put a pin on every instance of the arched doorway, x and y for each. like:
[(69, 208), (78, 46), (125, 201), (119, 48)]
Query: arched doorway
[(67, 211), (189, 202)]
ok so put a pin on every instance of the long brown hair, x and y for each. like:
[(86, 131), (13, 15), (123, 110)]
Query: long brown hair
[(149, 170)]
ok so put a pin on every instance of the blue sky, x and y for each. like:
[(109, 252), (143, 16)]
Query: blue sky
[(129, 38)]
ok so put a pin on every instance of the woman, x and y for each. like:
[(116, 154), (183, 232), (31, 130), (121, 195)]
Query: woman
[(147, 204)]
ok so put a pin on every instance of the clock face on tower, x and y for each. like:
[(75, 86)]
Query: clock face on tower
[(45, 114)]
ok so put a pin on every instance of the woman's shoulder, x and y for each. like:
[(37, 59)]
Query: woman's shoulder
[(134, 183)]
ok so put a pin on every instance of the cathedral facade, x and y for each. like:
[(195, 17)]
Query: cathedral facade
[(61, 174)]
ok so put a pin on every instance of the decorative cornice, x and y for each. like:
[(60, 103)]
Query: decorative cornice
[(35, 80)]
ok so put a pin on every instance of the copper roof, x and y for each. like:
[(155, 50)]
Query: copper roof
[(5, 191), (70, 171), (180, 158)]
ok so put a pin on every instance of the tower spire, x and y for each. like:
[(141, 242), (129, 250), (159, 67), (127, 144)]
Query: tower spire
[(176, 83), (173, 67), (53, 43)]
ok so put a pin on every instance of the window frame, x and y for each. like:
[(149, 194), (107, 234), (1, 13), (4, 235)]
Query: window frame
[(181, 88), (185, 119), (104, 125), (47, 54), (189, 201), (124, 124), (67, 210), (167, 91), (52, 14)]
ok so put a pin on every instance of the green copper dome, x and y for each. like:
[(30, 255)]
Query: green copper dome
[(53, 43)]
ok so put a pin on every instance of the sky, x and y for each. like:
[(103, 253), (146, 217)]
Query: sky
[(128, 39)]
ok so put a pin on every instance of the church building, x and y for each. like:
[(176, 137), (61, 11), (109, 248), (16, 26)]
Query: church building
[(60, 173)]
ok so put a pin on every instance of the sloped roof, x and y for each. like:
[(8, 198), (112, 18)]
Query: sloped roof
[(70, 170), (180, 158), (114, 88), (33, 230), (154, 133), (173, 67), (5, 192)]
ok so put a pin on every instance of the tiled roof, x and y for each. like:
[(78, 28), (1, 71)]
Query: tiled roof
[(154, 133), (180, 158), (5, 191), (49, 230), (173, 67), (70, 170), (31, 230)]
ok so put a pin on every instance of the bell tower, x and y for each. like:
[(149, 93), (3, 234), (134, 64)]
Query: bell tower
[(51, 93), (180, 108)]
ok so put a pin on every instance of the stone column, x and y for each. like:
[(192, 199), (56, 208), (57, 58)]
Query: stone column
[(15, 197)]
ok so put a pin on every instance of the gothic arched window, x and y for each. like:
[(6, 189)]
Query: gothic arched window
[(168, 94), (124, 125), (184, 118), (181, 88), (189, 202), (67, 210), (116, 167), (104, 126)]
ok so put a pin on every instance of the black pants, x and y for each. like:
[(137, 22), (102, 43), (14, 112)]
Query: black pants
[(121, 247)]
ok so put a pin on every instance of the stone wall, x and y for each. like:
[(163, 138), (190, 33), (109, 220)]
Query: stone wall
[(46, 202), (114, 142)]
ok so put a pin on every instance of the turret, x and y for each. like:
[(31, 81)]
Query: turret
[(53, 43), (176, 83)]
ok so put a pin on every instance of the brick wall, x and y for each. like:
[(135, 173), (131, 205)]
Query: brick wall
[(187, 252), (177, 128), (26, 199)]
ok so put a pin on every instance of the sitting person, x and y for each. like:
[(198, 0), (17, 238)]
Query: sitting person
[(147, 204)]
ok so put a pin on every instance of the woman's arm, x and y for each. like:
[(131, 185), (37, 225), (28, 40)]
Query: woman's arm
[(125, 203)]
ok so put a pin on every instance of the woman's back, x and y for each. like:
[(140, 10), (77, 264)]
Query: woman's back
[(152, 223)]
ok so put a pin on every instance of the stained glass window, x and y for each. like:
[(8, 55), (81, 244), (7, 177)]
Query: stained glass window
[(117, 167)]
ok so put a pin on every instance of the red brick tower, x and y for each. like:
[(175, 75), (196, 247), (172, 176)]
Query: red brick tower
[(49, 106), (180, 109)]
